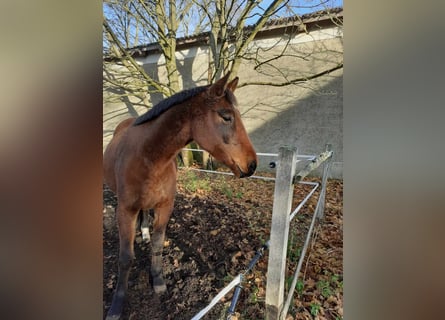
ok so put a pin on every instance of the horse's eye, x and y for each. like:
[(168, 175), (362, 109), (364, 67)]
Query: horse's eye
[(227, 117)]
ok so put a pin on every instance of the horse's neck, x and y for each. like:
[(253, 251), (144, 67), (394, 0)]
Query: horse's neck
[(169, 133)]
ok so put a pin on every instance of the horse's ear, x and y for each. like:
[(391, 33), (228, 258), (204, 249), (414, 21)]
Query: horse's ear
[(219, 87), (232, 84)]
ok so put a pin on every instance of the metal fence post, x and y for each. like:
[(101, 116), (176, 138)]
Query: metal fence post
[(279, 233), (324, 181)]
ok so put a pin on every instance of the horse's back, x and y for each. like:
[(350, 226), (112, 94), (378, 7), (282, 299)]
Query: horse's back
[(123, 125)]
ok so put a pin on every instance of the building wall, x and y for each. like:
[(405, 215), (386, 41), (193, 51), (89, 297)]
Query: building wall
[(307, 115)]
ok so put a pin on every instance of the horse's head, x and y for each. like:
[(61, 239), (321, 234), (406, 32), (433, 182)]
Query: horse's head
[(217, 128)]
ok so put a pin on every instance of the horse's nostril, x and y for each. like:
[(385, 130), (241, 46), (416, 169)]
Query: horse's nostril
[(252, 167)]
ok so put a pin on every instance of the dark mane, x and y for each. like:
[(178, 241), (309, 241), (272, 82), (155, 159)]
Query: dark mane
[(167, 103)]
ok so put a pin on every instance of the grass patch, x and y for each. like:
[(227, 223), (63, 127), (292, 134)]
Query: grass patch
[(194, 183)]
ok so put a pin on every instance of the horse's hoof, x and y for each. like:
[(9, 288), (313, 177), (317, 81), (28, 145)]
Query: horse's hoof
[(115, 311), (160, 289), (113, 317)]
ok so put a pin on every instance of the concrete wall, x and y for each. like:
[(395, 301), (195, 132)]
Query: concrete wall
[(306, 115)]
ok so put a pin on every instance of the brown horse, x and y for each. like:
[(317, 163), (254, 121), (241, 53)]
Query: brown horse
[(140, 164)]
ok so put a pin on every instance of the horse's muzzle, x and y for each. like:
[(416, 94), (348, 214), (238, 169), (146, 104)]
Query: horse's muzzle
[(251, 169)]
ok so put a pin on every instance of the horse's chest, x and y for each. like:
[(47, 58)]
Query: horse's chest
[(157, 191)]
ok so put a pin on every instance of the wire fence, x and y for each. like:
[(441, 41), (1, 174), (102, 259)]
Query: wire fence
[(279, 311)]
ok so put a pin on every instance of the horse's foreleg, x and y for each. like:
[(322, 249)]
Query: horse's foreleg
[(162, 215), (127, 224)]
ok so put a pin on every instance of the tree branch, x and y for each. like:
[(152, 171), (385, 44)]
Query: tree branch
[(292, 81), (128, 57)]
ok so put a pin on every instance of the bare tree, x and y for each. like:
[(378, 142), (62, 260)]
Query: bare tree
[(230, 27), (129, 24), (228, 20)]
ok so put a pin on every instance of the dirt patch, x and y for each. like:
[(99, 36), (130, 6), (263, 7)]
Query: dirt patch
[(217, 225)]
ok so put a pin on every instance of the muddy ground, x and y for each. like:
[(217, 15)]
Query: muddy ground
[(217, 225)]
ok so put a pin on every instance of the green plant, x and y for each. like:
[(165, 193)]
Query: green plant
[(288, 282), (225, 189), (335, 279), (228, 278), (300, 286), (254, 294), (325, 288), (292, 253), (192, 182), (315, 308)]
